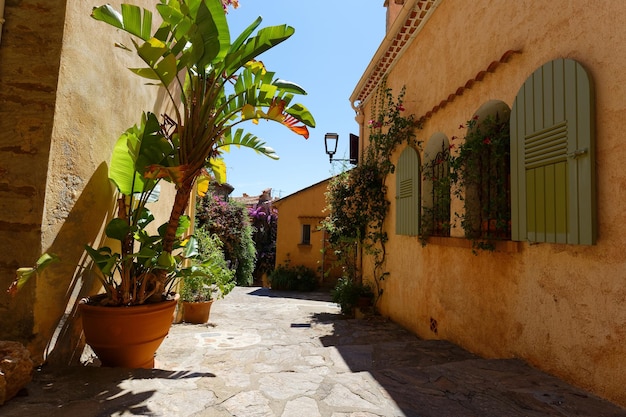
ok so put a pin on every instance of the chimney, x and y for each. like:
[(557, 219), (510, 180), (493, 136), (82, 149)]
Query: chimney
[(393, 10)]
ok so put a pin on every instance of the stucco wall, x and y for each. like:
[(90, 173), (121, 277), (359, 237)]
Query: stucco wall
[(91, 99), (561, 307), (304, 207)]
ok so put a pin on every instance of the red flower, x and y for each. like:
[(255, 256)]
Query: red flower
[(461, 126), (475, 117), (487, 141)]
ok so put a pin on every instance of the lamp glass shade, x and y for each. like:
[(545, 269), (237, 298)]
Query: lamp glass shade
[(330, 141)]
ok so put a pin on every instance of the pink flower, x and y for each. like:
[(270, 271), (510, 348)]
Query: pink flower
[(400, 107)]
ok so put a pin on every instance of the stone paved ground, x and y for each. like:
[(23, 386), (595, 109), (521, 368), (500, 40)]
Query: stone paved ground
[(272, 354)]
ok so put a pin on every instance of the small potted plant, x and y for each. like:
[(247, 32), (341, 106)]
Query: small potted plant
[(350, 294), (205, 281)]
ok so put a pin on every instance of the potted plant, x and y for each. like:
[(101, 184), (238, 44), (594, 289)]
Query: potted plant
[(206, 280), (350, 294), (214, 84)]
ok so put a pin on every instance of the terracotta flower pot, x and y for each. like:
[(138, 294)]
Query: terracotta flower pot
[(127, 337), (196, 312)]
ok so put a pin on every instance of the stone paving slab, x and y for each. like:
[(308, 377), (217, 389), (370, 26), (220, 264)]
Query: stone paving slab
[(276, 354)]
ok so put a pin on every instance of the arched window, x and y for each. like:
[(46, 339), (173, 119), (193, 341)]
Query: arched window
[(436, 187), (481, 170), (407, 193)]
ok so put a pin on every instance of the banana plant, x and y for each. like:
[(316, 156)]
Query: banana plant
[(214, 85)]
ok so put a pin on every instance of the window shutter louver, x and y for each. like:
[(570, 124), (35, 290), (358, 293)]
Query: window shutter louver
[(552, 156), (407, 193)]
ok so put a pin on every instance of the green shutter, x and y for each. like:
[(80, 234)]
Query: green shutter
[(407, 193), (552, 157)]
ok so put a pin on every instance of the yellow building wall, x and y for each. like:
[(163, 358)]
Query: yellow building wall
[(76, 98), (304, 207), (560, 307)]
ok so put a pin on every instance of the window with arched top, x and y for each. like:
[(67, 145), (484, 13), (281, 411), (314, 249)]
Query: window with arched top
[(408, 193), (552, 156), (435, 219), (481, 171)]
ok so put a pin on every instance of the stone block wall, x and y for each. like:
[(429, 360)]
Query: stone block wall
[(29, 68)]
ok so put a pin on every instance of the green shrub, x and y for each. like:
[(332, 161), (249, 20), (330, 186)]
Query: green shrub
[(209, 276), (293, 278), (229, 220), (347, 293)]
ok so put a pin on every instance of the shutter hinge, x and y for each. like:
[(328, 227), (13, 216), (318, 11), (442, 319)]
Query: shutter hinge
[(577, 153)]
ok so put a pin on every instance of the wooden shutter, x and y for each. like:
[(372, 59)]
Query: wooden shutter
[(407, 193), (552, 156), (354, 149)]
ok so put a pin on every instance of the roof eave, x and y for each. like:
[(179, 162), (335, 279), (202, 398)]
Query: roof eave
[(410, 21)]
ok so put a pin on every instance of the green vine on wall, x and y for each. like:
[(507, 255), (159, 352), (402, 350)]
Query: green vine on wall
[(481, 172), (435, 219), (357, 200)]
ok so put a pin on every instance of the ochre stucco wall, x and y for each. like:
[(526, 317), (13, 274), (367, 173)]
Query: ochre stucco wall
[(304, 207), (560, 307), (91, 99)]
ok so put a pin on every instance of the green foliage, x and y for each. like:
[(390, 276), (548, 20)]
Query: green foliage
[(264, 218), (480, 171), (209, 277), (230, 222), (435, 220), (357, 199), (293, 278), (347, 293)]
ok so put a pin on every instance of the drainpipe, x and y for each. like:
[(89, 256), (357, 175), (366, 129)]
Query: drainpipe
[(1, 18)]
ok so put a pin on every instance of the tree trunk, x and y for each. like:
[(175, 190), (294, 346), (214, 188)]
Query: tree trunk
[(181, 200)]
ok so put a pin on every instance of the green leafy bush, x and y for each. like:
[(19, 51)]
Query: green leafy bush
[(209, 276), (293, 278), (229, 221), (347, 293)]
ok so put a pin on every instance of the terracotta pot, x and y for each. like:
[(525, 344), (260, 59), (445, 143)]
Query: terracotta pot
[(364, 301), (127, 337), (196, 312)]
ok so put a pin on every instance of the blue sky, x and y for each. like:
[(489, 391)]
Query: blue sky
[(331, 48)]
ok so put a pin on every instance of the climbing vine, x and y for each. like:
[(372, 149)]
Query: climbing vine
[(357, 200)]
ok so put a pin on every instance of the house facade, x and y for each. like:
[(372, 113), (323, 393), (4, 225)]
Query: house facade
[(66, 96), (299, 240), (549, 289)]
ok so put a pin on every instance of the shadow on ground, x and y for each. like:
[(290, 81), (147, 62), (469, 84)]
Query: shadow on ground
[(437, 378), (110, 391), (301, 295)]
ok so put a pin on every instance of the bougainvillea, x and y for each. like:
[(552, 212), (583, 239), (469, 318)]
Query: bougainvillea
[(229, 221), (264, 218), (233, 3)]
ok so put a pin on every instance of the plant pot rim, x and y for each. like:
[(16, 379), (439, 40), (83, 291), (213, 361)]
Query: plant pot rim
[(94, 301)]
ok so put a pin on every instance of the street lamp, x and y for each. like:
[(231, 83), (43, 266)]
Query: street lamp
[(330, 142)]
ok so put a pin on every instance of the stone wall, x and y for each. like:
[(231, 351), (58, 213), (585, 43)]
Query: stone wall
[(70, 96), (29, 67)]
